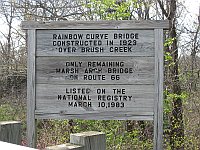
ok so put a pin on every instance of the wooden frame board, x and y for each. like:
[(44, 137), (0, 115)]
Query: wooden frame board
[(107, 70)]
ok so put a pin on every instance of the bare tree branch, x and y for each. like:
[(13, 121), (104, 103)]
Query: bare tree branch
[(163, 10)]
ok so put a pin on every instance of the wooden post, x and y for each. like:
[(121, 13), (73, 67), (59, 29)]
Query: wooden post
[(10, 131), (31, 121), (158, 106), (90, 140), (66, 146)]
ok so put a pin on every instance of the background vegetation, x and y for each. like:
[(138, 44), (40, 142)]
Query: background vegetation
[(182, 71)]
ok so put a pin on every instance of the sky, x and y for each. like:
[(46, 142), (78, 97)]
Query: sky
[(193, 8)]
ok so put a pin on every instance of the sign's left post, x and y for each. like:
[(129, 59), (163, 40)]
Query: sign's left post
[(31, 121)]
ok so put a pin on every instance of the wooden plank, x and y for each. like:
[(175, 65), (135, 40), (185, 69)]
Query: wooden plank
[(91, 140), (31, 130), (158, 107), (95, 116), (94, 101), (58, 96), (67, 146), (95, 42), (122, 24), (95, 70), (10, 131)]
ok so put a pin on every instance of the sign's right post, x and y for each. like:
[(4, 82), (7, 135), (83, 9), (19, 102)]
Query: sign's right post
[(158, 108)]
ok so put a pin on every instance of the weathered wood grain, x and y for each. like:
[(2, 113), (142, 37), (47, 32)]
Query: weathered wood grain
[(31, 130), (141, 101), (91, 140), (159, 77), (47, 45), (142, 70), (10, 131), (95, 115), (122, 24)]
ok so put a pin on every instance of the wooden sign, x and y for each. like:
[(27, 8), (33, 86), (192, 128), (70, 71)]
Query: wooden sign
[(96, 70), (95, 74)]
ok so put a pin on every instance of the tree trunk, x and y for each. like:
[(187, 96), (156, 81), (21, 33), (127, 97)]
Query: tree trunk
[(176, 120), (177, 126)]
